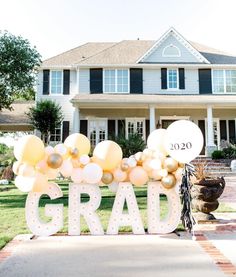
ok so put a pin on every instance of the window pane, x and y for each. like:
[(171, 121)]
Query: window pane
[(218, 80), (56, 82), (172, 78)]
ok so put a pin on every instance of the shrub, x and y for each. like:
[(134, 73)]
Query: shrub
[(230, 152), (132, 145), (3, 148), (217, 154)]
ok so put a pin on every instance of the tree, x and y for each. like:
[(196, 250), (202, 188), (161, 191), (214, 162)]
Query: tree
[(45, 117), (18, 68)]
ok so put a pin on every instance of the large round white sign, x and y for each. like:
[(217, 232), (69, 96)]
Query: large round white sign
[(184, 141)]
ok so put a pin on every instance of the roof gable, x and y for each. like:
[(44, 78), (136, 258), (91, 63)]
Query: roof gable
[(172, 48)]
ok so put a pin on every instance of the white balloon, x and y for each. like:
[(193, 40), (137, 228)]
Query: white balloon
[(131, 162), (49, 150), (184, 141), (66, 168), (84, 159), (113, 187), (24, 184), (92, 173), (76, 175), (60, 149)]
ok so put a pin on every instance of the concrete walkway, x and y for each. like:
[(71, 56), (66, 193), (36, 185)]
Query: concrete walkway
[(124, 255)]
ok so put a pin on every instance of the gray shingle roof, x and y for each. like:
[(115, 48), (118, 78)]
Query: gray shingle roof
[(124, 52), (17, 115)]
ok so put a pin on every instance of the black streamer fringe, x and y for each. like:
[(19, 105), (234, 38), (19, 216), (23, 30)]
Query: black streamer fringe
[(185, 192)]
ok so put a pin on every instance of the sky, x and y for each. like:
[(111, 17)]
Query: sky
[(55, 26)]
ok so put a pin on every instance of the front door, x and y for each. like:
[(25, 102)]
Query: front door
[(97, 131)]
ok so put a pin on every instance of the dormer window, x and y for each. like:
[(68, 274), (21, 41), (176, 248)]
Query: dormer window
[(171, 51)]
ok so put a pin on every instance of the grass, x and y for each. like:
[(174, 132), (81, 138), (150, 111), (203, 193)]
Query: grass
[(12, 210)]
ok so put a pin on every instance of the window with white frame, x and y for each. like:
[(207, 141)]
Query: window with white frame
[(135, 125), (56, 82), (97, 131), (56, 136), (172, 79), (224, 81), (116, 80)]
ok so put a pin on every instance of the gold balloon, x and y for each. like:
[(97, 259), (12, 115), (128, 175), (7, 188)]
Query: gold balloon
[(74, 153), (170, 164), (107, 177), (169, 181), (54, 160)]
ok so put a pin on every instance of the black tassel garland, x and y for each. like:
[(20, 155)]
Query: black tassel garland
[(185, 192)]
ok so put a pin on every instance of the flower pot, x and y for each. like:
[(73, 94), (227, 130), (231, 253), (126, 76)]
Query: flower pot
[(204, 196)]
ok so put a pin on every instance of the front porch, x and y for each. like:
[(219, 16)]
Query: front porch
[(144, 113)]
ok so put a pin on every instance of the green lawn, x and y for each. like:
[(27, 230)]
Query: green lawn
[(12, 203)]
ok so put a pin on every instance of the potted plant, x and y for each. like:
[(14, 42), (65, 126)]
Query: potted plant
[(205, 191)]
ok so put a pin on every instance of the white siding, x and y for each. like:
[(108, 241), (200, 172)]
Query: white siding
[(152, 82), (63, 100), (84, 81), (186, 55)]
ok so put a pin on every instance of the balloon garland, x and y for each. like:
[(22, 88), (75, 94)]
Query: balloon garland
[(163, 160)]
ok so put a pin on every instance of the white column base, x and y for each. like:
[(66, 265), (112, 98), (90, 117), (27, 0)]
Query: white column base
[(209, 149)]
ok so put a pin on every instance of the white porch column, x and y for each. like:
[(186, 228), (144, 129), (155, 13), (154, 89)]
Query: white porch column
[(152, 118), (76, 121), (210, 146)]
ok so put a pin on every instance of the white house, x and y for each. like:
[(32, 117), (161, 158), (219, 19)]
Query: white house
[(137, 85)]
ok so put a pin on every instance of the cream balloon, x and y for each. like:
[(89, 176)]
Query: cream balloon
[(40, 183), (77, 175), (78, 141), (66, 168), (156, 140), (119, 175), (107, 154), (178, 173), (184, 141), (138, 176), (29, 149), (92, 173), (52, 173), (49, 150), (26, 170)]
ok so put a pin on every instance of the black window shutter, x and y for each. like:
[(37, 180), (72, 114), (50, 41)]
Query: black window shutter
[(84, 127), (65, 130), (232, 138), (147, 123), (164, 78), (96, 85), (66, 81), (136, 80), (181, 78), (201, 125), (111, 128), (223, 130), (46, 81), (121, 127), (205, 86)]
